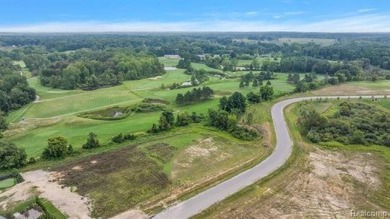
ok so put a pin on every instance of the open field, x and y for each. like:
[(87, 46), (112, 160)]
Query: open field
[(356, 88), (351, 178), (25, 71), (201, 66), (174, 164), (168, 62), (159, 166), (56, 112)]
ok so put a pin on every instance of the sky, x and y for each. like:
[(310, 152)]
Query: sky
[(194, 15)]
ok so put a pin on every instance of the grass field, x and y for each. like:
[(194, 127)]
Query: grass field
[(168, 62), (56, 112), (7, 183), (26, 72)]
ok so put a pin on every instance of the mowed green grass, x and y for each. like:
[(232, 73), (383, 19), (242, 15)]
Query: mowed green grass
[(168, 62), (200, 66), (59, 108), (7, 183)]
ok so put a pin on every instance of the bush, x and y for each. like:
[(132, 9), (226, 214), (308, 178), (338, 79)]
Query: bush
[(313, 136), (31, 160), (243, 133), (118, 138), (129, 137), (11, 156), (56, 148), (92, 141)]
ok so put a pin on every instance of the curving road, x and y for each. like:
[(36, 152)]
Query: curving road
[(279, 156)]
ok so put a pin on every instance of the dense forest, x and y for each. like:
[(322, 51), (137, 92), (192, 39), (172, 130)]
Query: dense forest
[(14, 89), (347, 47), (90, 70)]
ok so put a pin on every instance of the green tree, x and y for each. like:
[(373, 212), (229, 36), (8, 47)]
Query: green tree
[(241, 85), (236, 103), (253, 98), (56, 148), (255, 64), (266, 92), (3, 122), (11, 156), (166, 121), (255, 83), (223, 103), (92, 141), (296, 78), (301, 87)]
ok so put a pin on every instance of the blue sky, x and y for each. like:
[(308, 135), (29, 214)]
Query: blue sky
[(194, 15)]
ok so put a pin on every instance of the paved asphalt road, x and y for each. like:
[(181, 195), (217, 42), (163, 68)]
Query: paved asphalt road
[(281, 153)]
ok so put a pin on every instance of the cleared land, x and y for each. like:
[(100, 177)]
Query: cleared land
[(145, 174), (349, 178), (357, 88)]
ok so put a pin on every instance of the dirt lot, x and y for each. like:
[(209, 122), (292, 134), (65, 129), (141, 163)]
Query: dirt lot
[(116, 181), (41, 183), (330, 185)]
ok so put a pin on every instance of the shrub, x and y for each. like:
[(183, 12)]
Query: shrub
[(313, 136), (129, 137), (118, 138), (11, 156), (243, 133), (56, 148), (92, 141)]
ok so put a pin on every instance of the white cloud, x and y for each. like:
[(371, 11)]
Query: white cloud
[(251, 13), (365, 10), (360, 23), (287, 14)]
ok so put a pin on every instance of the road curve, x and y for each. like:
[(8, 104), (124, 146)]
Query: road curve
[(279, 156)]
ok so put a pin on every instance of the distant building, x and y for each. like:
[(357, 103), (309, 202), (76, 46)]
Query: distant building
[(172, 56)]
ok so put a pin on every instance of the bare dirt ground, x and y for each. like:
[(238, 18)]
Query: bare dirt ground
[(132, 214), (330, 186), (44, 184)]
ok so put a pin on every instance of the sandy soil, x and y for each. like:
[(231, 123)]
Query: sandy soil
[(133, 214), (44, 183), (326, 190)]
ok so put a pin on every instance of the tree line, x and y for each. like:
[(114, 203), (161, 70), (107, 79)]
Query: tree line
[(90, 70), (194, 96), (15, 91)]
